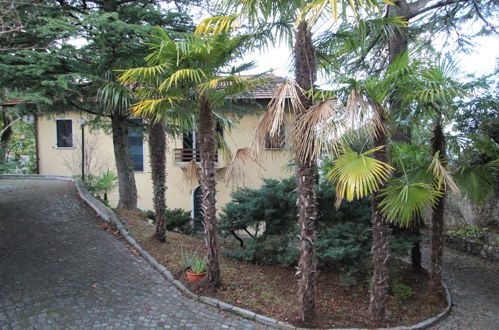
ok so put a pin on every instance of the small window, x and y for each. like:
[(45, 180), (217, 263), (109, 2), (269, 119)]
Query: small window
[(136, 145), (64, 133), (276, 142)]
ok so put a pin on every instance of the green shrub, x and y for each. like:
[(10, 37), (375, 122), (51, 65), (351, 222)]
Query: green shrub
[(274, 205), (470, 231), (178, 220), (401, 291), (273, 250), (344, 245), (150, 214), (348, 279), (343, 240)]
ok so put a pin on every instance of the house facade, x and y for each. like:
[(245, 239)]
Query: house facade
[(60, 153)]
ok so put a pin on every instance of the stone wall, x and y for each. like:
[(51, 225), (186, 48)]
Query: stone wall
[(460, 212), (466, 245)]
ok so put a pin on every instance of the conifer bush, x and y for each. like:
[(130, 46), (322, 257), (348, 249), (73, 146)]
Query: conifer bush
[(343, 239)]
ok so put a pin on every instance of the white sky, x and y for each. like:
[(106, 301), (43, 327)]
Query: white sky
[(480, 62)]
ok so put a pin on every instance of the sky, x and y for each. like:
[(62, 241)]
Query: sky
[(481, 61)]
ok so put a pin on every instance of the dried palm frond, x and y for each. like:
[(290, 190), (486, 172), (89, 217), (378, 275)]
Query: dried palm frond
[(191, 174), (237, 168), (442, 175), (272, 120), (318, 129), (364, 114)]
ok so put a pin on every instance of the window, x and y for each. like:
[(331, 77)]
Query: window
[(276, 142), (136, 145), (64, 133)]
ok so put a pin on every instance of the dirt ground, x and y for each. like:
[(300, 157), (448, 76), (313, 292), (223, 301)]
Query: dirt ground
[(271, 290)]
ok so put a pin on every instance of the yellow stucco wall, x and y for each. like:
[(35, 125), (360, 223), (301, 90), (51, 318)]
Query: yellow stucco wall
[(67, 161)]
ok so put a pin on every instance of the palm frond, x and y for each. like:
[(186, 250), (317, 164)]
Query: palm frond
[(218, 24), (364, 113), (195, 76), (143, 74), (357, 175), (478, 182), (317, 130), (442, 175), (237, 169), (286, 97), (149, 108), (115, 96), (402, 203), (191, 174)]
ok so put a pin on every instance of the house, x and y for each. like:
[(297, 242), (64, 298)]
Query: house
[(60, 153)]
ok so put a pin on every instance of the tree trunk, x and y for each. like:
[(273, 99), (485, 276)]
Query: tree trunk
[(416, 248), (381, 233), (157, 151), (437, 220), (5, 137), (208, 181), (305, 75), (126, 177)]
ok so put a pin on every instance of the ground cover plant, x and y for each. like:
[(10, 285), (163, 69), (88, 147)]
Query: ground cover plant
[(266, 289)]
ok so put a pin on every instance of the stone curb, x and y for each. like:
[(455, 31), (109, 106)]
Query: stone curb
[(110, 217)]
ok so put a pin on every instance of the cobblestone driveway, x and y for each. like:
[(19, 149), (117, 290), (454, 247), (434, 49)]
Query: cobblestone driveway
[(58, 269), (474, 287)]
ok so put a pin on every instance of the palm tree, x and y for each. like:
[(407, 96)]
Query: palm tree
[(292, 20), (195, 72), (157, 154), (117, 99)]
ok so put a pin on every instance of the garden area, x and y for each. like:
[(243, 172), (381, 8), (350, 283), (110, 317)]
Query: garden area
[(268, 289), (377, 123)]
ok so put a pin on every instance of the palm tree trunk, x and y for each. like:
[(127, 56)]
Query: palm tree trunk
[(437, 220), (208, 182), (416, 248), (381, 233), (157, 151), (126, 177), (305, 75)]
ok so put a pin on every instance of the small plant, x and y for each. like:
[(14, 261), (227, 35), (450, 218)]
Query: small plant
[(198, 266), (178, 220), (101, 185), (401, 291), (192, 262), (150, 215), (470, 231)]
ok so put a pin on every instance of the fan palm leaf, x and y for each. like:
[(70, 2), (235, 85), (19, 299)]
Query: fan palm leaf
[(403, 202), (357, 175), (477, 183)]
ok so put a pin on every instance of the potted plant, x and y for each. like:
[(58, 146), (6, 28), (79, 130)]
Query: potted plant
[(194, 266)]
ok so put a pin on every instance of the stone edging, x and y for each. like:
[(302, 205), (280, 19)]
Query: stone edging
[(109, 216), (469, 246)]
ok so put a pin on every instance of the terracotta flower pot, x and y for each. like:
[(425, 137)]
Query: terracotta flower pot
[(194, 276)]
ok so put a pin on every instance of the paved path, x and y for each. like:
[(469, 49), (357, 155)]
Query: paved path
[(474, 287), (58, 269)]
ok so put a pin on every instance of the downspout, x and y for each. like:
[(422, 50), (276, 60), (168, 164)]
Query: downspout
[(37, 146)]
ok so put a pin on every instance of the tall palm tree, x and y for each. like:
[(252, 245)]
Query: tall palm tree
[(292, 21), (195, 72), (117, 99)]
